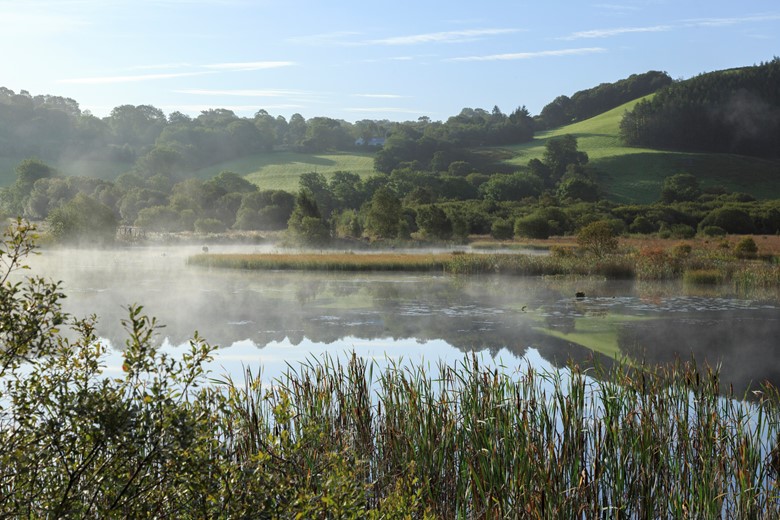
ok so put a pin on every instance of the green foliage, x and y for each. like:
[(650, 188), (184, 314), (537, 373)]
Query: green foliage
[(746, 248), (724, 112), (306, 225), (159, 218), (535, 225), (209, 225), (588, 103), (713, 231), (730, 219), (27, 173), (598, 238), (578, 187), (83, 220), (433, 222), (510, 187), (502, 229), (680, 187), (561, 152), (384, 214)]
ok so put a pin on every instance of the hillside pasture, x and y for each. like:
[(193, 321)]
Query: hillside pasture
[(281, 170), (630, 174)]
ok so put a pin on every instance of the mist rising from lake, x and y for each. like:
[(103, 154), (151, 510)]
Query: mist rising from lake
[(407, 315)]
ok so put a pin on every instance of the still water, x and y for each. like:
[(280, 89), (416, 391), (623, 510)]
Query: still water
[(264, 320)]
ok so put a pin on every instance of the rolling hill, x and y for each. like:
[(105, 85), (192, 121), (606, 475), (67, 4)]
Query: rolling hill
[(281, 170), (636, 174)]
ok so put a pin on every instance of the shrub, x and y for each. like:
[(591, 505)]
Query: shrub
[(209, 225), (501, 229), (746, 248), (641, 225), (682, 231), (713, 231), (598, 238), (534, 225), (731, 220), (83, 219)]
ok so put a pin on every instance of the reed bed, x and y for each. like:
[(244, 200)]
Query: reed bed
[(701, 267), (454, 263), (470, 441), (325, 261)]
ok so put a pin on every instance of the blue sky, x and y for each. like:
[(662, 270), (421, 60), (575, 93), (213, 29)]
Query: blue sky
[(355, 60)]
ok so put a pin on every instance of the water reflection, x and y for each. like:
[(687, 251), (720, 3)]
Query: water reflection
[(418, 314)]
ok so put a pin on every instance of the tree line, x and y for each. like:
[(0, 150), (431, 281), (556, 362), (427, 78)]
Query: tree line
[(730, 111), (585, 104)]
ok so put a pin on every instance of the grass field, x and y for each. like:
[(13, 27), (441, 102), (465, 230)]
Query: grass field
[(636, 174), (281, 170)]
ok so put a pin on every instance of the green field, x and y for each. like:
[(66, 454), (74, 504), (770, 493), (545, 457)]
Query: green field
[(636, 174), (281, 170)]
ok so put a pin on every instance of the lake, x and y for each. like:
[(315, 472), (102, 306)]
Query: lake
[(270, 318)]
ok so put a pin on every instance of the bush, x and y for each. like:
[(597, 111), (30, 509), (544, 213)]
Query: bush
[(746, 248), (209, 225), (713, 231), (534, 225), (598, 238), (83, 220), (731, 220), (682, 231), (642, 225), (501, 229)]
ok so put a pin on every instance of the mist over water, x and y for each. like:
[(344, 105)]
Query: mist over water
[(269, 318)]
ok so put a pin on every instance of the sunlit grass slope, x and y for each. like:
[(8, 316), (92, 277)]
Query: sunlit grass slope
[(281, 170), (636, 174)]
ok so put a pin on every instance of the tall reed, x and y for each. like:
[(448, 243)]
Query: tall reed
[(475, 441)]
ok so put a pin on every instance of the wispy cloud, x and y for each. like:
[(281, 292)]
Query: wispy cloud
[(331, 38), (193, 109), (617, 7), (46, 23), (102, 80), (250, 65), (722, 22), (213, 68), (606, 33), (380, 96), (243, 92), (465, 35), (531, 55), (684, 24), (389, 110)]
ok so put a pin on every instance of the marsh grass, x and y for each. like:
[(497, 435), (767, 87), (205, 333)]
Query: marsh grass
[(696, 268), (473, 441), (703, 277)]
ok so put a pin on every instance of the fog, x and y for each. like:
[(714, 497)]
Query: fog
[(287, 314)]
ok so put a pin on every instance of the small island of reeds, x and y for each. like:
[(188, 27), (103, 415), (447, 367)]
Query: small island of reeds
[(696, 266)]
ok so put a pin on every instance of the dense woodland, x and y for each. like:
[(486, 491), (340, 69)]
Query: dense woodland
[(432, 180), (731, 111)]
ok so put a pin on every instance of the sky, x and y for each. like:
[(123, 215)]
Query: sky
[(354, 60)]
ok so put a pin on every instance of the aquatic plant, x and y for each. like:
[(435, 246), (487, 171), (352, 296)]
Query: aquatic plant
[(474, 441)]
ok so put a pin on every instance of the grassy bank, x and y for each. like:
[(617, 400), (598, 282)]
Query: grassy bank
[(692, 266)]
